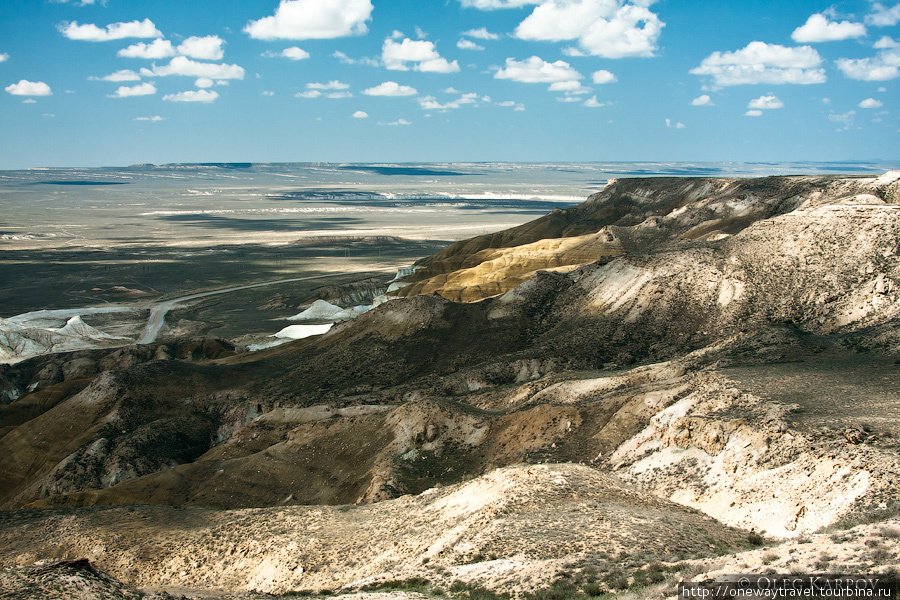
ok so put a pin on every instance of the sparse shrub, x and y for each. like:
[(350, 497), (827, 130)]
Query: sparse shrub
[(558, 591), (678, 567), (755, 539), (880, 555), (460, 589), (413, 584), (457, 587), (616, 579), (890, 532), (593, 589), (824, 560), (480, 593), (863, 518), (656, 567), (768, 557)]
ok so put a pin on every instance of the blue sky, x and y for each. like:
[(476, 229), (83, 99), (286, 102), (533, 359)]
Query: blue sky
[(117, 82)]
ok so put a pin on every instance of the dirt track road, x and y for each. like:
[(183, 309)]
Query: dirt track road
[(158, 313)]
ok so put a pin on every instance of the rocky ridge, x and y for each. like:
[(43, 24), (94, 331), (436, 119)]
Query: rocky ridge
[(647, 373)]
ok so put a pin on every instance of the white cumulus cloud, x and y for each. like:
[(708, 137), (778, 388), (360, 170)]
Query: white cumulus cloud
[(518, 106), (431, 103), (883, 16), (465, 44), (537, 70), (390, 88), (495, 4), (818, 28), (766, 103), (703, 100), (335, 89), (204, 82), (884, 66), (421, 53), (158, 48), (122, 75), (762, 63), (182, 65), (331, 85), (570, 88), (481, 33), (607, 28), (370, 62), (871, 103), (29, 88), (192, 96), (398, 122), (753, 113), (153, 119), (360, 114), (845, 118), (295, 53), (114, 31), (205, 48), (4, 57), (673, 125), (313, 19), (144, 89), (600, 77), (593, 103)]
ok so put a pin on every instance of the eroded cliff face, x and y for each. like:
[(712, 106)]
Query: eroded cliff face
[(630, 215), (727, 347)]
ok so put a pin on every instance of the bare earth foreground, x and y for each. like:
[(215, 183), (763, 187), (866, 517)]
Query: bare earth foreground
[(676, 380)]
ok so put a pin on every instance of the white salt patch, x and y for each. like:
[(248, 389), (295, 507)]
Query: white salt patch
[(320, 310), (257, 347), (298, 332), (77, 328), (51, 318)]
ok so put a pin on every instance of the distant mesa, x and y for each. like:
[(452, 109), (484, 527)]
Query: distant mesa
[(403, 170), (80, 182), (222, 165)]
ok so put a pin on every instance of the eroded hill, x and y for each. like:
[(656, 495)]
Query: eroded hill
[(670, 346)]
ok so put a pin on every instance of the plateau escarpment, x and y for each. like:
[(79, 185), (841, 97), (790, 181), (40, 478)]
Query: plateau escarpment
[(671, 355), (630, 215)]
